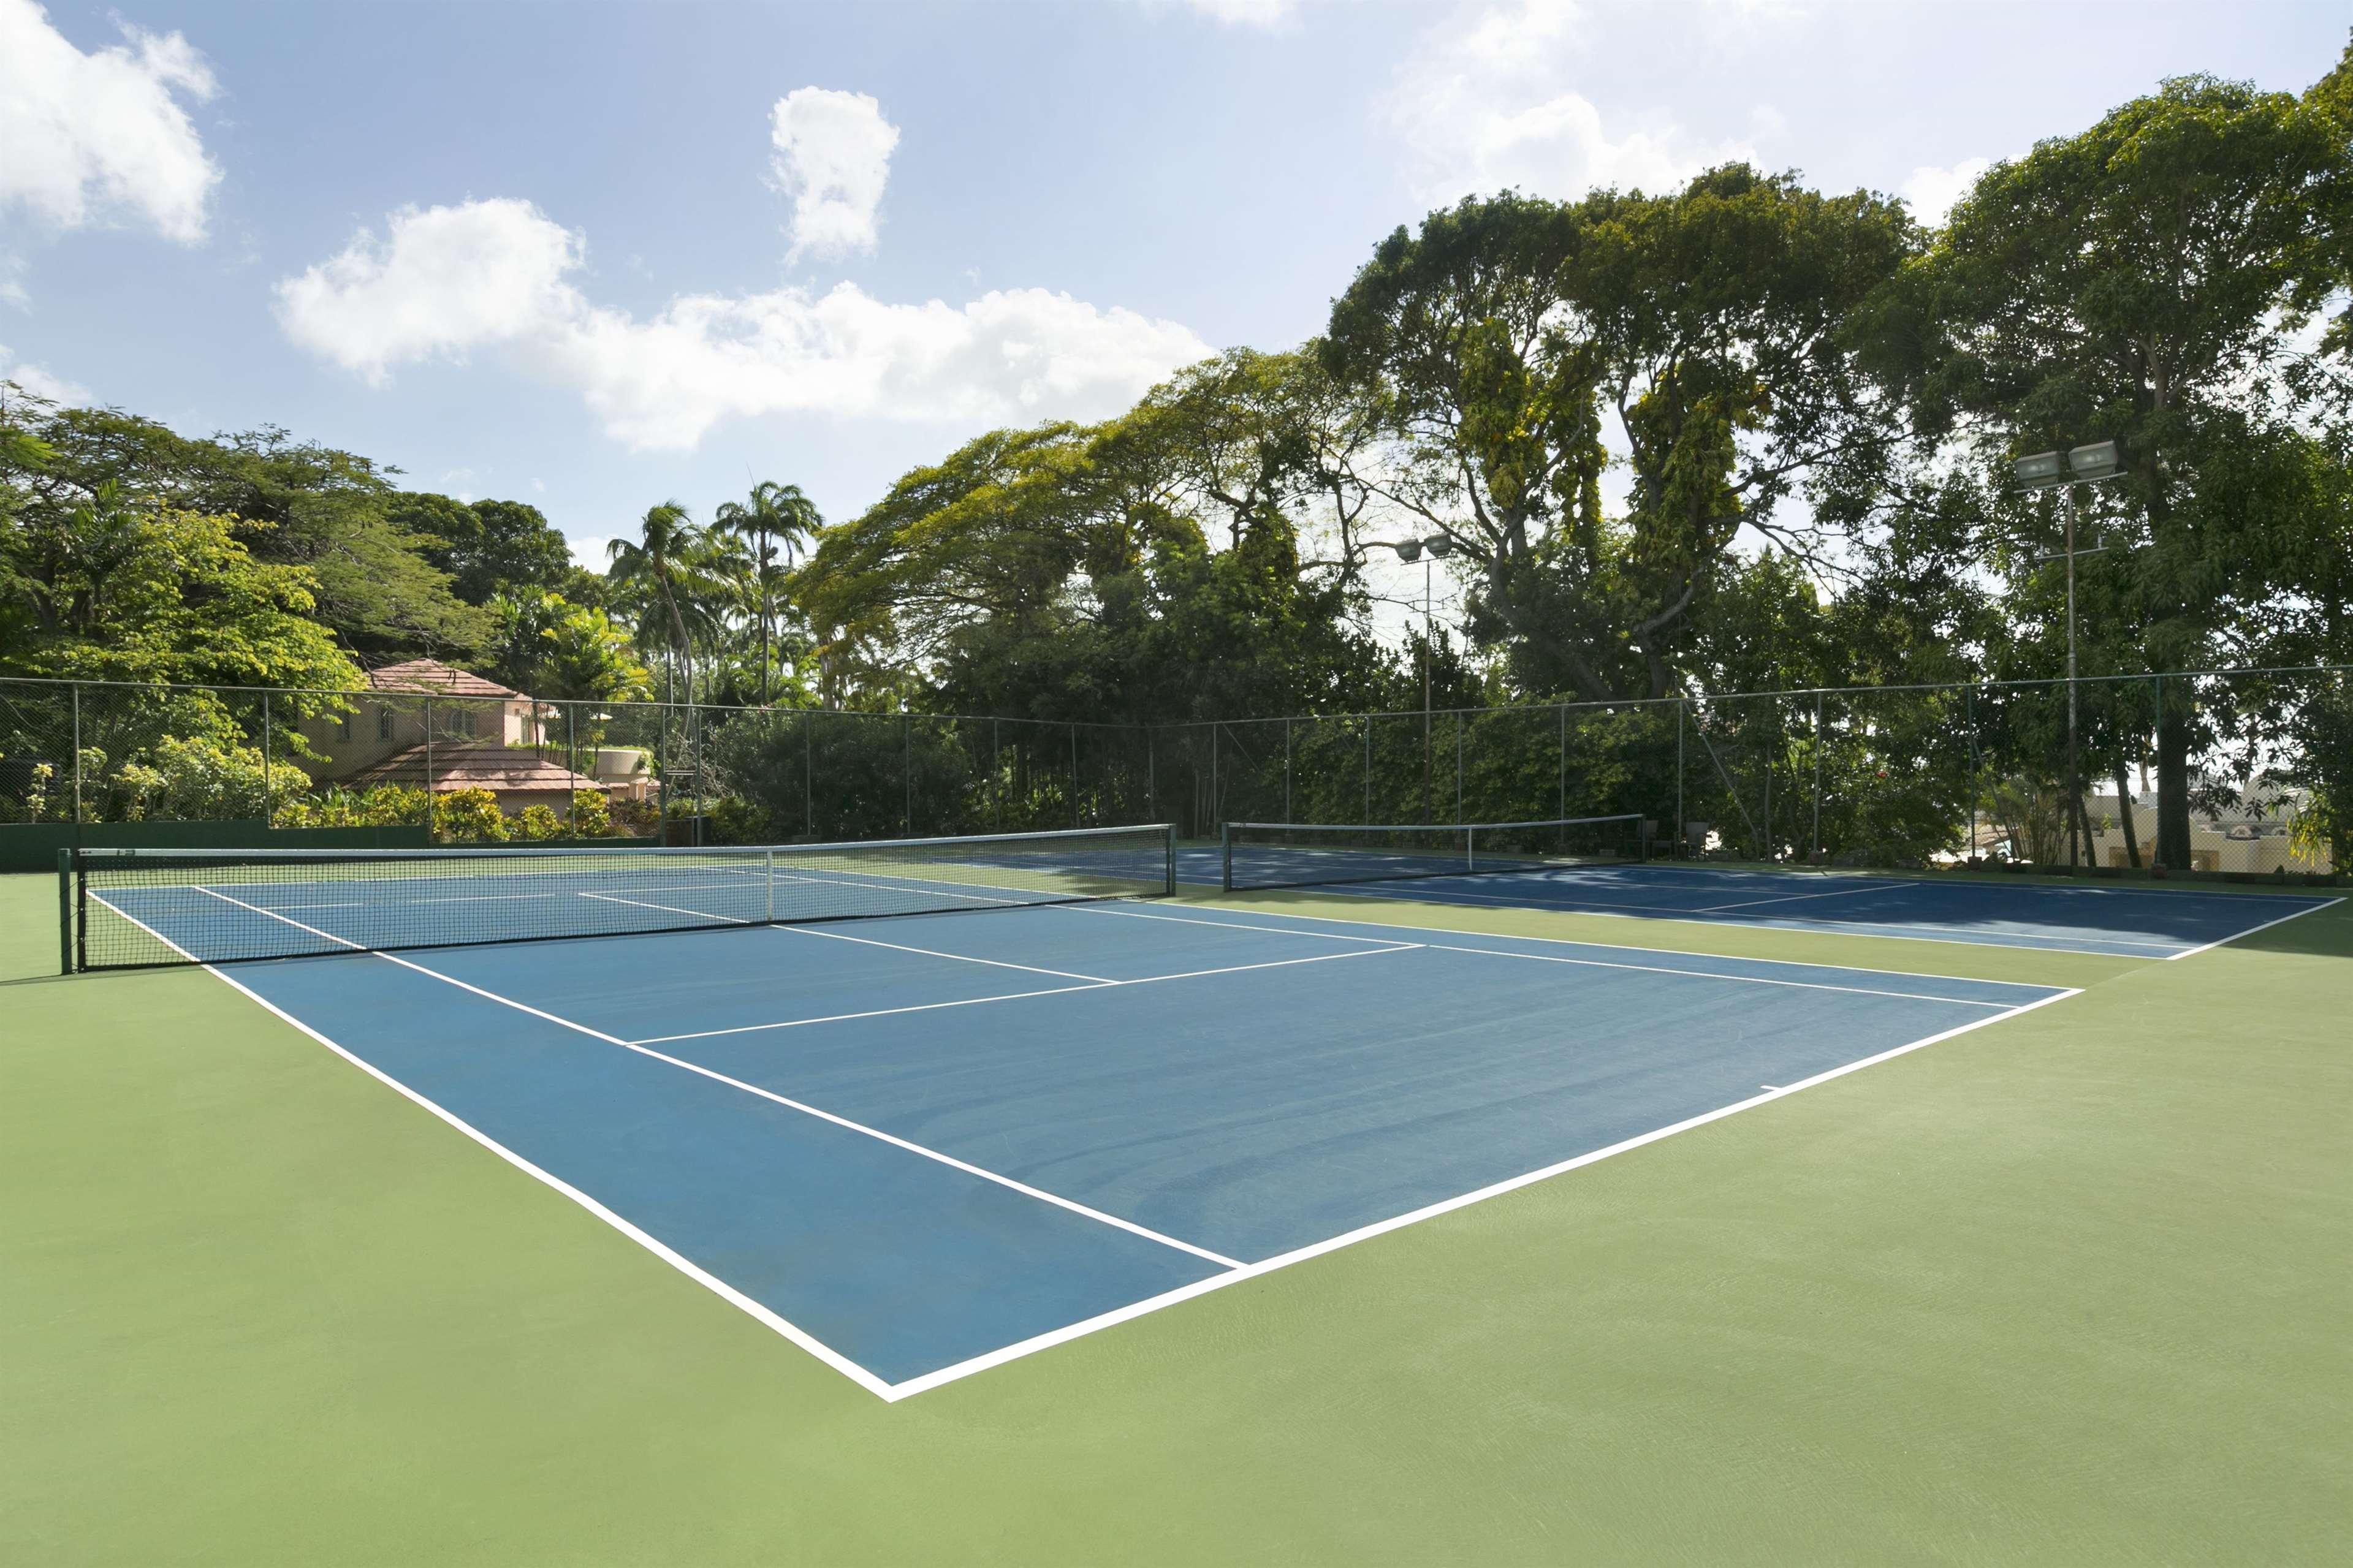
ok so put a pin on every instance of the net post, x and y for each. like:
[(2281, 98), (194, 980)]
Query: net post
[(65, 912), (769, 860), (1226, 854)]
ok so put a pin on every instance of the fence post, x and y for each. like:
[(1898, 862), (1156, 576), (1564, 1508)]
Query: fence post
[(571, 763), (1369, 769), (995, 777), (269, 815), (1818, 776), (809, 772), (1216, 810), (1977, 768), (76, 748), (1459, 722), (1682, 832), (1563, 711), (1286, 770), (906, 775), (1074, 772), (430, 833), (1152, 771)]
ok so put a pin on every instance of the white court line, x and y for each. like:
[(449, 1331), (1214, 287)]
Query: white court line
[(686, 1266), (1022, 995), (995, 1358), (1820, 928), (934, 953), (2251, 931), (875, 1133), (1227, 925), (1608, 946), (1794, 897), (864, 941), (1733, 979), (893, 1392)]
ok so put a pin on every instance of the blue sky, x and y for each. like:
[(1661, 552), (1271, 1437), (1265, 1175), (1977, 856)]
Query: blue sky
[(597, 255)]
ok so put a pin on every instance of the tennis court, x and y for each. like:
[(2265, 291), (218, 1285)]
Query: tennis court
[(921, 1146), (2115, 922)]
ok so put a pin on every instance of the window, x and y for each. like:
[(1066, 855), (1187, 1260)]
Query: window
[(383, 723)]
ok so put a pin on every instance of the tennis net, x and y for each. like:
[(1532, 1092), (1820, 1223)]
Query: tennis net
[(135, 908), (1304, 854)]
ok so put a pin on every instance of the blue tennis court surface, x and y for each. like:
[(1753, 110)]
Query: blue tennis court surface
[(2124, 922), (922, 1145)]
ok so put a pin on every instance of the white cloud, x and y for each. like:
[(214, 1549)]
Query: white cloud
[(39, 382), (1266, 14), (85, 137), (1482, 102), (539, 487), (445, 281), (1931, 192), (832, 158)]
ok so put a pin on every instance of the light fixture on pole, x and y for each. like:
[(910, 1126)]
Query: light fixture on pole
[(2093, 463), (1436, 547)]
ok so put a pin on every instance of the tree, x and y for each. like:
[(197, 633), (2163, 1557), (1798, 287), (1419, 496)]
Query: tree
[(1704, 325), (490, 547), (295, 504), (553, 648), (658, 567), (2143, 280), (773, 514)]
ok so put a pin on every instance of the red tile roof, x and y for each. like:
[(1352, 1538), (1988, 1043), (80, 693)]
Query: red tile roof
[(432, 674), (474, 767)]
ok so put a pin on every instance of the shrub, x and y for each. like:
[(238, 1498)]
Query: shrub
[(591, 817), (734, 820), (469, 816), (536, 822), (385, 805)]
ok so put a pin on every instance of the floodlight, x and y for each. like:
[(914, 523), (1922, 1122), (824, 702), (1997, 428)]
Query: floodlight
[(1438, 544), (2098, 461), (1407, 549), (2041, 470)]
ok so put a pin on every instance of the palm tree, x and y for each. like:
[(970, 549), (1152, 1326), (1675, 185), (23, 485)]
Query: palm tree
[(660, 567), (777, 513)]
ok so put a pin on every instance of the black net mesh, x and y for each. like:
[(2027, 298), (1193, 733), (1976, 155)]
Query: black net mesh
[(138, 907)]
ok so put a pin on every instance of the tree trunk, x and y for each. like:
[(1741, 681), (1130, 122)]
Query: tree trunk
[(2173, 782), (2125, 815)]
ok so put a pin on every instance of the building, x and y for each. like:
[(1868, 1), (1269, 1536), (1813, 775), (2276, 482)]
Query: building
[(422, 724), (2252, 834)]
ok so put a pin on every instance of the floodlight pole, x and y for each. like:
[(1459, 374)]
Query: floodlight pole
[(2075, 752), (2089, 464)]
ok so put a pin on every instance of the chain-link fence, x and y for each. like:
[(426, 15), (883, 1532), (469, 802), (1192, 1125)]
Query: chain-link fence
[(2246, 771)]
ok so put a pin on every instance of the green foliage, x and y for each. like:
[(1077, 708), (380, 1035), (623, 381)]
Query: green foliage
[(592, 817), (536, 822), (380, 806), (195, 778), (1708, 322), (555, 650), (468, 817), (732, 820)]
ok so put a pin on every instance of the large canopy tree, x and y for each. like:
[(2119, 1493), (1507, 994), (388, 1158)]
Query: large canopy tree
[(1513, 344), (2145, 280)]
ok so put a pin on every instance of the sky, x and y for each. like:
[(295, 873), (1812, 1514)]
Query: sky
[(597, 255)]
